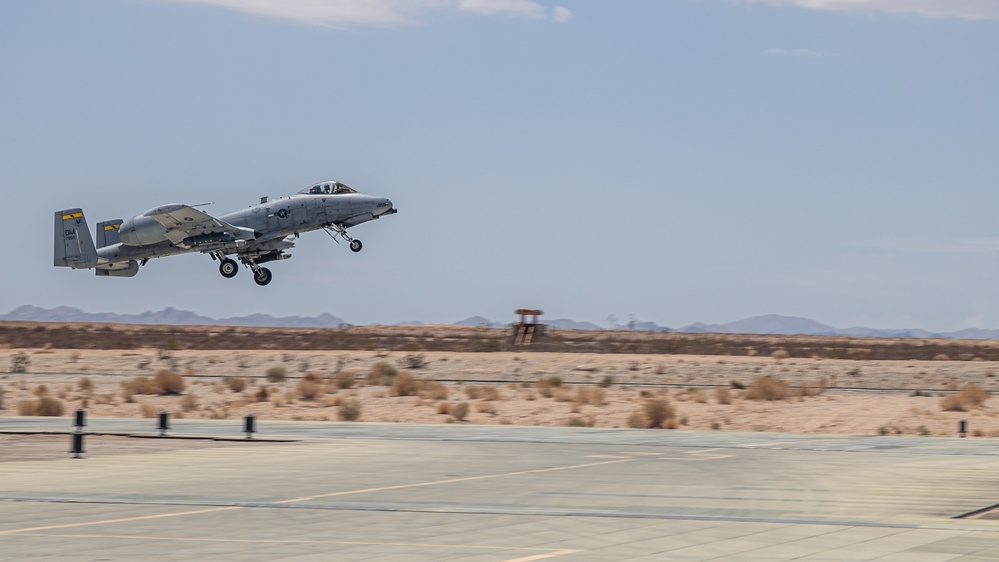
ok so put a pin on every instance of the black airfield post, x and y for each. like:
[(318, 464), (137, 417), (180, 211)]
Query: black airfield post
[(76, 440), (164, 423), (250, 425)]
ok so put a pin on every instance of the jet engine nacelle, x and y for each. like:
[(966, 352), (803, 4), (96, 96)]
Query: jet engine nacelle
[(141, 231)]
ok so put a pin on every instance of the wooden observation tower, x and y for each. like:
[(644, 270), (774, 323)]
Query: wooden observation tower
[(525, 332)]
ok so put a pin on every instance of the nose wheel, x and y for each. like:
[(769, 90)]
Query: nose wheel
[(228, 268), (262, 276), (335, 230)]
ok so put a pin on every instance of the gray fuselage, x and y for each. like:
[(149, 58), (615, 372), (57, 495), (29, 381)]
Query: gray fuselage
[(267, 224)]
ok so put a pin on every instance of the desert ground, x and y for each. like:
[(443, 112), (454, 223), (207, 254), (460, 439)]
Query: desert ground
[(865, 397)]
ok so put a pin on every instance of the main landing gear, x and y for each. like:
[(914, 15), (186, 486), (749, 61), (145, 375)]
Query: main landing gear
[(229, 268), (335, 230), (262, 276)]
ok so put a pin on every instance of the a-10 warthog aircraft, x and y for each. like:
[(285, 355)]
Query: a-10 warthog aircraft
[(255, 235)]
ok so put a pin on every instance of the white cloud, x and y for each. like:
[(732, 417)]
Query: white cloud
[(967, 9), (339, 13), (561, 14), (516, 8), (791, 52)]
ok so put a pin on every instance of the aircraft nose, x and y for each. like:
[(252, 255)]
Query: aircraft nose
[(384, 207)]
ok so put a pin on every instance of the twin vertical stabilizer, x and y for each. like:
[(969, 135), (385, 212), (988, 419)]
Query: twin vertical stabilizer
[(74, 247)]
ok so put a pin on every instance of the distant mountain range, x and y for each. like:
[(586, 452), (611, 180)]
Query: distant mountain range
[(767, 324), (169, 316)]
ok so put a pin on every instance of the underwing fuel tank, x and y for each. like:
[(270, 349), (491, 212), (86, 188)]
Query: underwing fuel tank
[(141, 231)]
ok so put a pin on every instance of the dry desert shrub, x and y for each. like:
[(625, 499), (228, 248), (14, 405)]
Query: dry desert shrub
[(139, 385), (654, 413), (547, 384), (382, 373), (974, 395), (723, 395), (971, 396), (699, 396), (169, 382), (637, 420), (189, 403), (444, 408), (235, 384), (26, 408), (308, 390), (952, 403), (491, 393), (148, 410), (459, 411), (767, 388), (40, 390), (812, 389), (276, 374), (658, 411), (780, 354), (262, 394), (579, 421), (486, 408), (44, 406), (85, 385), (312, 377), (349, 410), (414, 361), (404, 384), (598, 397), (433, 390), (19, 362), (344, 379)]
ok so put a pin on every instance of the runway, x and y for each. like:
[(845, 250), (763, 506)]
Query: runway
[(515, 494)]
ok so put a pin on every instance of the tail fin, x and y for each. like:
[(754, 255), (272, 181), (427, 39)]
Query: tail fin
[(73, 245), (107, 232)]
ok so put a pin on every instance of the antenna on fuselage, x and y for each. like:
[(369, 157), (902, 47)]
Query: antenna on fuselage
[(263, 199)]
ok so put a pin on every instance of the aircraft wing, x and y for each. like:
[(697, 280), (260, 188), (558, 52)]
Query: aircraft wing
[(183, 222)]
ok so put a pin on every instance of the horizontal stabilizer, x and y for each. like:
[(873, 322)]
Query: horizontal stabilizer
[(120, 269), (73, 245)]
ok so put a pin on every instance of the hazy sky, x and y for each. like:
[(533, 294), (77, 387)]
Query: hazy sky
[(679, 160)]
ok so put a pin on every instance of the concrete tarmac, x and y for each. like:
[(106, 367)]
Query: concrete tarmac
[(354, 491)]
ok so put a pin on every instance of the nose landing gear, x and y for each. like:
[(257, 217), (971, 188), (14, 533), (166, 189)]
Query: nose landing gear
[(335, 230)]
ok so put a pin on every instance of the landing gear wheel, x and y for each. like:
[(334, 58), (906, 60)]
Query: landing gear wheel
[(228, 268), (355, 245), (262, 276)]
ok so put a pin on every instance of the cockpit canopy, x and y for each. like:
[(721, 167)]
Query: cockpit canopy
[(327, 187)]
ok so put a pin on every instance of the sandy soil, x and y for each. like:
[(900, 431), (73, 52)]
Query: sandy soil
[(840, 408)]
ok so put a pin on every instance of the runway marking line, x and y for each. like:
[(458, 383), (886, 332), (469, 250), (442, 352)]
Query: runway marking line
[(702, 455), (122, 520), (543, 553), (453, 480), (297, 500)]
